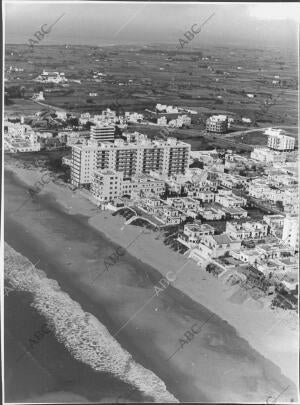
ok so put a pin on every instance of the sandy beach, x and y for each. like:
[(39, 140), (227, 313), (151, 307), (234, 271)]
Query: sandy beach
[(271, 333)]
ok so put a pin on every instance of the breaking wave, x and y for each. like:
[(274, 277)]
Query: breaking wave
[(82, 334)]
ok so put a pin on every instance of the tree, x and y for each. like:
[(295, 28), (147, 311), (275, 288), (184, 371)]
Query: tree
[(22, 91)]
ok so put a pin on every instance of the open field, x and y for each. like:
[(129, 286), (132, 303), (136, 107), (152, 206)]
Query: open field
[(207, 80), (22, 107)]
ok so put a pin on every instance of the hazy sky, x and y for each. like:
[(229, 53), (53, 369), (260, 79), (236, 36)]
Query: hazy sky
[(100, 23)]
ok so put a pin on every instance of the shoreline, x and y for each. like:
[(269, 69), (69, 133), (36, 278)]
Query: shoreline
[(200, 286), (81, 333)]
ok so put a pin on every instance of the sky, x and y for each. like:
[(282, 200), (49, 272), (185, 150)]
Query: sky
[(106, 23)]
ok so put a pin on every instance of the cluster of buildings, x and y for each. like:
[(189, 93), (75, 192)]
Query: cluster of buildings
[(175, 117), (110, 117), (13, 68), (210, 206), (51, 77), (272, 258), (98, 76), (109, 185), (19, 137), (179, 122), (169, 109), (133, 156), (278, 149)]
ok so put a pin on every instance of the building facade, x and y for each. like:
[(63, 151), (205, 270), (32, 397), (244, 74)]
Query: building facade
[(106, 185), (102, 133), (266, 155), (278, 140), (132, 158), (217, 123), (290, 233)]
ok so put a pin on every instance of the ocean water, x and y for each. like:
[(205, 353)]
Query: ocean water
[(81, 333), (46, 371)]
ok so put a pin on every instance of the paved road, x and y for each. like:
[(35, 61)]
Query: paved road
[(51, 107), (247, 131)]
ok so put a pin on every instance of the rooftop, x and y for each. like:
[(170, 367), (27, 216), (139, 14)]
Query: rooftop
[(222, 239)]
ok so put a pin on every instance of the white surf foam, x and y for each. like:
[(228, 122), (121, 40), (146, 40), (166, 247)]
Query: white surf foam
[(83, 335)]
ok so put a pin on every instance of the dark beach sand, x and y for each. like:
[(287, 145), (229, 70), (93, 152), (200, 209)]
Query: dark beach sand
[(216, 366)]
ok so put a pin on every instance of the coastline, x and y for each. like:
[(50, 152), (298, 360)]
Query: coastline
[(82, 334), (265, 335)]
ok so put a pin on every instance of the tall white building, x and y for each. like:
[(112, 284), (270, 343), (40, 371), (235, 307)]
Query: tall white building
[(102, 132), (290, 234), (106, 184), (279, 141), (217, 123), (84, 162), (136, 156)]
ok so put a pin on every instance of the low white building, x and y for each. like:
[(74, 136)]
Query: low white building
[(51, 77), (274, 222), (247, 230), (107, 185), (167, 108), (134, 117), (211, 213), (204, 196), (193, 233), (162, 121), (213, 246), (290, 234), (144, 185), (61, 115), (170, 216), (251, 256), (84, 118), (67, 161), (268, 156), (229, 200), (38, 96)]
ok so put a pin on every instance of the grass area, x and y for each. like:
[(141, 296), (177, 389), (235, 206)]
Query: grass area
[(22, 107), (253, 138), (139, 78), (259, 138)]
